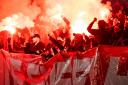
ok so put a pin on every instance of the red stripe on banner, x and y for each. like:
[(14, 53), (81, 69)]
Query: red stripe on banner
[(123, 66), (120, 51), (87, 54), (35, 78), (66, 75)]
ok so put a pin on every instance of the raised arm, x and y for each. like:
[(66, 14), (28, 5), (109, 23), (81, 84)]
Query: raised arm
[(89, 28), (66, 21)]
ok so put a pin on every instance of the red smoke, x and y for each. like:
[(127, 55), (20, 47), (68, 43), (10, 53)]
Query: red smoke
[(47, 13)]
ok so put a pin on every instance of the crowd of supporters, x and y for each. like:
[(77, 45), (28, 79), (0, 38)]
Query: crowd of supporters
[(113, 32)]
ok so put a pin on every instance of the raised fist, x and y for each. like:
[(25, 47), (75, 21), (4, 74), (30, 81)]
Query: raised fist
[(95, 19)]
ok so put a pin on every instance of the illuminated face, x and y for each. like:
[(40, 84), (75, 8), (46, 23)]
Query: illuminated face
[(115, 22), (35, 39)]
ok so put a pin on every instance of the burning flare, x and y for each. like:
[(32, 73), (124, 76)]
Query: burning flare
[(80, 12), (15, 21)]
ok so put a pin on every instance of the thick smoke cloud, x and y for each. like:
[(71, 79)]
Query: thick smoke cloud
[(47, 14), (22, 13), (10, 7)]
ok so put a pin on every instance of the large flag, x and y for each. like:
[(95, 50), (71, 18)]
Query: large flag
[(103, 65), (64, 68)]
